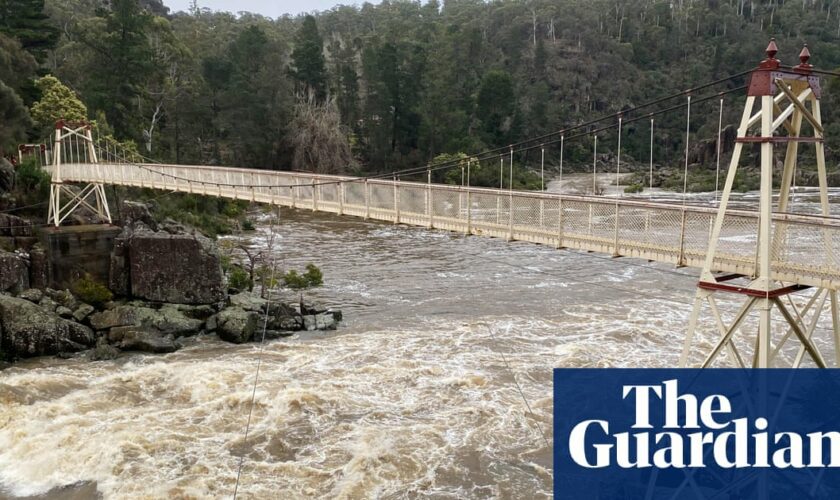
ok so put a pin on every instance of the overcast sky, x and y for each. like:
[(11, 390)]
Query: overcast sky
[(269, 8)]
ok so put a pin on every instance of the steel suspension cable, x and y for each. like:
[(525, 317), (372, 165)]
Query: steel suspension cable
[(717, 168), (687, 135)]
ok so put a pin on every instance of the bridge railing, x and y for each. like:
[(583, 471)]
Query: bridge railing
[(805, 247)]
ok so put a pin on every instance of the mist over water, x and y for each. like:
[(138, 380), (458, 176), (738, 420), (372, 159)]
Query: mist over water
[(414, 396)]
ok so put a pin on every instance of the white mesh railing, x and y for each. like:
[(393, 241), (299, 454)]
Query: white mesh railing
[(806, 250)]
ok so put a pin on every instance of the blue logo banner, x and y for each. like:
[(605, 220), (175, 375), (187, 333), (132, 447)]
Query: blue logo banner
[(692, 434)]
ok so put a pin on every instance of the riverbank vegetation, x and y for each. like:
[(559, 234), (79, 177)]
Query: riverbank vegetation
[(379, 88)]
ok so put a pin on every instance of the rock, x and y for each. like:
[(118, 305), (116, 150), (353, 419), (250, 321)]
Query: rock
[(82, 312), (122, 315), (133, 212), (172, 227), (63, 298), (32, 295), (7, 175), (168, 319), (277, 334), (211, 324), (321, 321), (288, 323), (201, 312), (118, 274), (64, 312), (132, 338), (12, 225), (236, 325), (28, 330), (48, 304), (181, 269), (14, 272), (103, 351), (39, 268), (248, 301)]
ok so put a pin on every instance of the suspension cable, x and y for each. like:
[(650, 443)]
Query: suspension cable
[(687, 132), (650, 192), (717, 168), (259, 354)]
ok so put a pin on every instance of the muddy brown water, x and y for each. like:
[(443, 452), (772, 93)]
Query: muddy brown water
[(414, 396)]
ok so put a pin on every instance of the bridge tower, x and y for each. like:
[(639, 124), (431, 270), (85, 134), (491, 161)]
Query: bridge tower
[(771, 85), (74, 146)]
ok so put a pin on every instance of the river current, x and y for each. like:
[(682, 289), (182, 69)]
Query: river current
[(417, 394)]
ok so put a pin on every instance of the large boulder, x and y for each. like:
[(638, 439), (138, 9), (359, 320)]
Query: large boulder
[(27, 330), (133, 338), (236, 325), (14, 272), (175, 268), (168, 320)]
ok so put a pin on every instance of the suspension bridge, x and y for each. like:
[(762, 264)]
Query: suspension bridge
[(762, 256)]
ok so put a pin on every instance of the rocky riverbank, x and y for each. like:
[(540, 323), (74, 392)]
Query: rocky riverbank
[(52, 322), (164, 283)]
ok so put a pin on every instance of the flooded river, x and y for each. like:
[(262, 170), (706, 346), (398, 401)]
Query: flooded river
[(416, 395)]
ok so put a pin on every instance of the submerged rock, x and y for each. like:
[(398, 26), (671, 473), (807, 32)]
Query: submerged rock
[(27, 330), (103, 351)]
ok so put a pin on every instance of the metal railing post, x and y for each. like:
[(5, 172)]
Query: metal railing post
[(469, 211), (615, 235), (396, 201), (367, 200), (681, 254), (560, 223)]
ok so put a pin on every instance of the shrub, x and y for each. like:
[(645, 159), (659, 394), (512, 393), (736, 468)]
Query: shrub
[(91, 291), (312, 277), (247, 225), (634, 188), (238, 278)]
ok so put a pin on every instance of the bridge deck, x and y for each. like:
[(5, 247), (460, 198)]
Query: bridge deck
[(803, 249)]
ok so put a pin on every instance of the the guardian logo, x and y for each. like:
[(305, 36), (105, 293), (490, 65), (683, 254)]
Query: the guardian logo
[(730, 442), (731, 434)]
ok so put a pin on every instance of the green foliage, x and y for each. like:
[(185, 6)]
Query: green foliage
[(312, 277), (91, 291), (413, 80), (634, 188), (26, 21), (266, 276), (308, 59), (16, 65), (239, 279), (495, 107), (247, 225), (487, 173), (14, 118), (57, 102)]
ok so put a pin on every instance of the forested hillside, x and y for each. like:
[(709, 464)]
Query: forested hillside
[(394, 85)]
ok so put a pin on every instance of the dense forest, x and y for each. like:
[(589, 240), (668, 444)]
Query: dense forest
[(381, 87)]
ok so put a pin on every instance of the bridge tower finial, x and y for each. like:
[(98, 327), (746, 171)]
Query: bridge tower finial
[(771, 86)]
